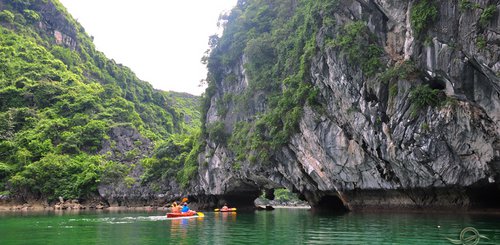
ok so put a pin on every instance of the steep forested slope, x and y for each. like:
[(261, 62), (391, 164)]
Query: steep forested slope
[(71, 120)]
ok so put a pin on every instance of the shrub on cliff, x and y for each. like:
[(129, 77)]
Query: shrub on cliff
[(423, 96), (487, 15), (358, 44), (422, 14), (174, 159)]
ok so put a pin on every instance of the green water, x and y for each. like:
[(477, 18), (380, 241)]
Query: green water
[(281, 226)]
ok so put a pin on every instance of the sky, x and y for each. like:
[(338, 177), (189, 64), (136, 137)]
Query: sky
[(162, 41)]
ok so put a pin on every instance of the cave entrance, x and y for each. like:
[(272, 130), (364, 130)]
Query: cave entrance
[(279, 197), (487, 197), (330, 203), (437, 83), (239, 193), (242, 200)]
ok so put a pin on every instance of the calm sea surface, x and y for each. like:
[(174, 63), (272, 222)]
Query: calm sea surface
[(281, 226)]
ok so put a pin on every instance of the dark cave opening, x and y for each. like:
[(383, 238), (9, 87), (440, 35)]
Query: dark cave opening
[(486, 196), (242, 200), (330, 203), (436, 83), (269, 194)]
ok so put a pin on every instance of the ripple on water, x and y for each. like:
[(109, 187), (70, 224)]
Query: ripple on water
[(276, 227)]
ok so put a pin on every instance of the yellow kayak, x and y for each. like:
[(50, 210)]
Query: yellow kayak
[(225, 210)]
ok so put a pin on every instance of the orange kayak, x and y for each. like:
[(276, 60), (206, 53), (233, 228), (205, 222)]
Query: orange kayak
[(177, 215)]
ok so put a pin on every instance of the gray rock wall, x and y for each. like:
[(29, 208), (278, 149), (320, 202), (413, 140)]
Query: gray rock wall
[(366, 149)]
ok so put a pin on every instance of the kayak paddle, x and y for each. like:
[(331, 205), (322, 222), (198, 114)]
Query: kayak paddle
[(200, 214)]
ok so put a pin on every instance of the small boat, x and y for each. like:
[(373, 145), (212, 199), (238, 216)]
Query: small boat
[(225, 210), (181, 215), (266, 208)]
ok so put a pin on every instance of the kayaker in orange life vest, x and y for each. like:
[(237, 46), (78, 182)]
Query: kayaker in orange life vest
[(185, 208), (175, 208)]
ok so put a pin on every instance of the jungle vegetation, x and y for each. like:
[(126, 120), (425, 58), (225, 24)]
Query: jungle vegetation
[(60, 99)]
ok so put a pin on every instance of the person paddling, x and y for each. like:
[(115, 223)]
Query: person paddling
[(175, 208), (224, 208), (185, 208)]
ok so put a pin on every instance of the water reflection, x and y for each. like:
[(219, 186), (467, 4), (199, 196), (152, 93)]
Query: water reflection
[(226, 215), (179, 228), (281, 226)]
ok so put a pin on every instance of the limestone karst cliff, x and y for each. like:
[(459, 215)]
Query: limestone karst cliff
[(351, 104), (355, 104)]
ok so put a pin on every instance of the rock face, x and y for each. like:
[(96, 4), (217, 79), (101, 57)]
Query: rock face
[(56, 25), (366, 149), (126, 146)]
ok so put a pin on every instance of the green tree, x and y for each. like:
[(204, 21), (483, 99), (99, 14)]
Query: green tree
[(6, 16)]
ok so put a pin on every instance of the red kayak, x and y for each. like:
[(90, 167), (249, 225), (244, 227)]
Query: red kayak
[(178, 215)]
